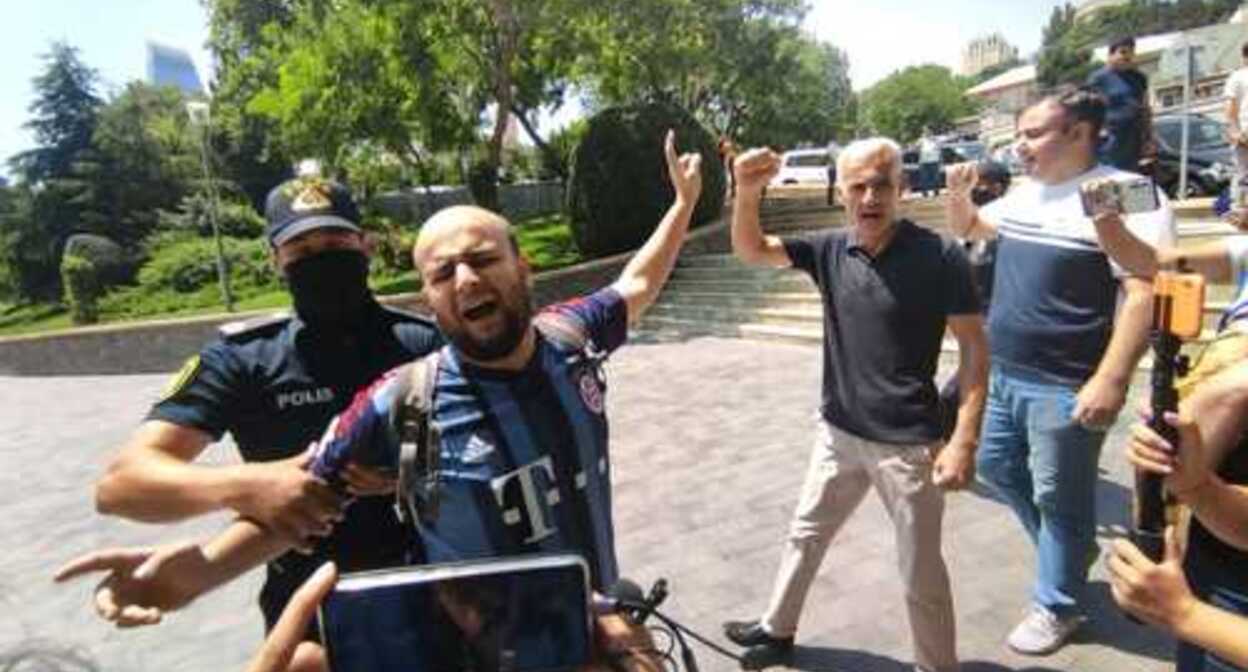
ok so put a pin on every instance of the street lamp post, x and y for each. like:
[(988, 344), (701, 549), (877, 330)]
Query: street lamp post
[(200, 116)]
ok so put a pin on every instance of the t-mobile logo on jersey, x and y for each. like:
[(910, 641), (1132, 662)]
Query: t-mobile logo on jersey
[(531, 496)]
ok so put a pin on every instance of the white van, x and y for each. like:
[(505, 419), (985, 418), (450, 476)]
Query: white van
[(803, 166)]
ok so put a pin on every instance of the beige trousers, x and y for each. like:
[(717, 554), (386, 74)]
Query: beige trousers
[(842, 468)]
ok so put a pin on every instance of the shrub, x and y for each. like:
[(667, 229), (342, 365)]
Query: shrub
[(112, 264), (181, 274), (187, 264), (82, 288), (235, 218), (619, 187)]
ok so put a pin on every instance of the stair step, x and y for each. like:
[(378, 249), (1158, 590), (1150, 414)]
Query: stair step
[(763, 314), (708, 261), (742, 300), (789, 283), (736, 273)]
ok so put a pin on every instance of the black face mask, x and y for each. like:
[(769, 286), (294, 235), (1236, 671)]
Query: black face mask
[(982, 196), (330, 288)]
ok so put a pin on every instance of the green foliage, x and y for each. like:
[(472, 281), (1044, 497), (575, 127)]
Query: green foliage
[(148, 159), (82, 288), (904, 103), (112, 264), (247, 144), (186, 264), (392, 246), (63, 115), (235, 218), (181, 274), (54, 191), (555, 163), (619, 188), (547, 242), (742, 67), (365, 72)]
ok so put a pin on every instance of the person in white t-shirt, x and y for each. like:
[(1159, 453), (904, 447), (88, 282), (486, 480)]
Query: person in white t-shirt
[(1236, 94), (1063, 348), (929, 164)]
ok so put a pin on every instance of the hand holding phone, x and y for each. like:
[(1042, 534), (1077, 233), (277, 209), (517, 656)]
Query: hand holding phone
[(1118, 196)]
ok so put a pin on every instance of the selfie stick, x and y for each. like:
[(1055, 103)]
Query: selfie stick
[(1148, 529)]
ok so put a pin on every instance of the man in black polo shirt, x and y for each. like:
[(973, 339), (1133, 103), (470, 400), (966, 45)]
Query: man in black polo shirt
[(889, 290)]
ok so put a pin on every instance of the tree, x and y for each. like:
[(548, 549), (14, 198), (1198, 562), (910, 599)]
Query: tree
[(366, 72), (147, 160), (409, 77), (513, 57), (63, 116), (51, 175), (245, 143), (742, 67), (904, 103)]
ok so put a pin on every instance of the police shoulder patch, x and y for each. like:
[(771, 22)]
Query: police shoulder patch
[(182, 378), (255, 325)]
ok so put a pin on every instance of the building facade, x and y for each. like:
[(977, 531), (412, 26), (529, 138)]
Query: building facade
[(984, 52)]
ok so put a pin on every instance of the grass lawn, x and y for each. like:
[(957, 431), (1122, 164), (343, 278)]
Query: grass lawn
[(546, 241)]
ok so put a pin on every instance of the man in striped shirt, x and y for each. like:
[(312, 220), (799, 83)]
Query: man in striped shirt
[(1066, 328)]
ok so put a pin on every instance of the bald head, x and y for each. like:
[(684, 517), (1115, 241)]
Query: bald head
[(456, 219)]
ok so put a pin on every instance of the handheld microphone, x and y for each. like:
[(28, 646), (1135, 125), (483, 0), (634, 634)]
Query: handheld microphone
[(626, 597)]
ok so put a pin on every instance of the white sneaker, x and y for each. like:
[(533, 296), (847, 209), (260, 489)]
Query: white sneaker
[(1043, 632)]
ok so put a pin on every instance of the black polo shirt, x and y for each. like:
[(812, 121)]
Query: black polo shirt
[(883, 322), (274, 384)]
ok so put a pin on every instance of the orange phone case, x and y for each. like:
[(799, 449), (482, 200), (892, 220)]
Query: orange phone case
[(1186, 293)]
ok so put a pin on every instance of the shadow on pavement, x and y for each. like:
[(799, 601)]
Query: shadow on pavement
[(1109, 626), (820, 659)]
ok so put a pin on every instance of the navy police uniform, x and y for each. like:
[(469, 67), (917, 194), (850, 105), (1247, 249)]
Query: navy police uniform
[(274, 384)]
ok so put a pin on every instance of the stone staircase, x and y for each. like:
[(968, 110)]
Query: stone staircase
[(715, 294)]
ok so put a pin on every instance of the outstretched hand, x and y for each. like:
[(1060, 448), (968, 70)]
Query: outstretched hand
[(961, 178), (684, 170), (141, 584)]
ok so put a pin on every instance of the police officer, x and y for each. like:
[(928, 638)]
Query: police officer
[(274, 383)]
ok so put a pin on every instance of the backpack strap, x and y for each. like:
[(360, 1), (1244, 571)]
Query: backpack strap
[(417, 495)]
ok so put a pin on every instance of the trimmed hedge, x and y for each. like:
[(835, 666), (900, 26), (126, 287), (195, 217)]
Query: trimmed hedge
[(619, 187), (82, 288)]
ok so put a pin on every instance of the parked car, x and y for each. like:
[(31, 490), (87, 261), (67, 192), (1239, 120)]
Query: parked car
[(1209, 160), (951, 152), (803, 166)]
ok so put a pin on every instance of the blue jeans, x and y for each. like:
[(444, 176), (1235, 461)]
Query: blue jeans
[(1035, 458)]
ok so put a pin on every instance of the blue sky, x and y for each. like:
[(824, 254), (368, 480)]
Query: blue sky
[(880, 35)]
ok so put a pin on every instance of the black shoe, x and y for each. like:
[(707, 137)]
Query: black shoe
[(752, 634)]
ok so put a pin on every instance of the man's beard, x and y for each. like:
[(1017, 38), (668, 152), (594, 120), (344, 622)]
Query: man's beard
[(517, 313)]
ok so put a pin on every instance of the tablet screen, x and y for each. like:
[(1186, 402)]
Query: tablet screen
[(517, 615)]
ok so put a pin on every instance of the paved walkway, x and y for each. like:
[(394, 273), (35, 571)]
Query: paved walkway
[(711, 438)]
